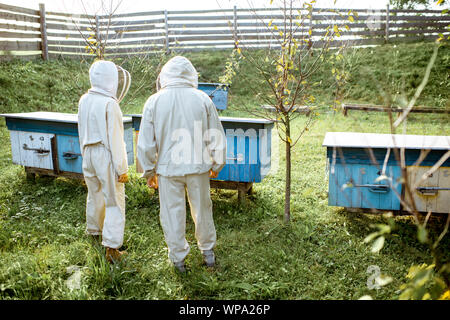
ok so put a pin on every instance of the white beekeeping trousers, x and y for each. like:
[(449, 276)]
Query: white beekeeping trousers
[(173, 213), (105, 205)]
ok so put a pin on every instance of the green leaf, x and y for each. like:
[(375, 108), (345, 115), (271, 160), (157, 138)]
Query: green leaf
[(383, 280), (378, 244), (371, 236), (406, 295), (383, 228), (243, 285)]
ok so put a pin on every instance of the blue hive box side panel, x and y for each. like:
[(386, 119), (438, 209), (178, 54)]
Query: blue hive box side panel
[(242, 163), (218, 93), (248, 151), (128, 137), (68, 153), (41, 126), (354, 178), (266, 150), (358, 186)]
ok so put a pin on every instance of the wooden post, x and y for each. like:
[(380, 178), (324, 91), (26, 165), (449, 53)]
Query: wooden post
[(387, 23), (166, 21), (44, 44), (235, 37), (97, 29), (98, 41)]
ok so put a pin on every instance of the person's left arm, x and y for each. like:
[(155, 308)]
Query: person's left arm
[(217, 146), (116, 140)]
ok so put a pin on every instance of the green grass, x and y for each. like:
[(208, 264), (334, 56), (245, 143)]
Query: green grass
[(320, 255)]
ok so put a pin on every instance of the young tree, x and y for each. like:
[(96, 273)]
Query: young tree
[(103, 38), (425, 281), (296, 52)]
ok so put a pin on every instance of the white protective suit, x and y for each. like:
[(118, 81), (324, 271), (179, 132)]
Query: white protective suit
[(101, 132), (180, 139)]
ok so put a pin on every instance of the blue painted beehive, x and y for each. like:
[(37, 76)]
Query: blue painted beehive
[(48, 142), (365, 171), (218, 92), (248, 148)]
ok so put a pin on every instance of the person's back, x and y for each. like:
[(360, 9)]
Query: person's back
[(105, 166), (92, 119), (181, 117), (181, 140)]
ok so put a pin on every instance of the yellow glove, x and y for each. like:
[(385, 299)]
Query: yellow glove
[(213, 174), (123, 178), (152, 182)]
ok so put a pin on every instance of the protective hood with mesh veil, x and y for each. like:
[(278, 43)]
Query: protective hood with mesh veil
[(177, 72), (109, 79)]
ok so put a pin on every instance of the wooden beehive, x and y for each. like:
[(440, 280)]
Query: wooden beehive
[(48, 142), (218, 92), (365, 171), (248, 148)]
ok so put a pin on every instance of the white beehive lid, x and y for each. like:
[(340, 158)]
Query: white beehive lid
[(382, 140)]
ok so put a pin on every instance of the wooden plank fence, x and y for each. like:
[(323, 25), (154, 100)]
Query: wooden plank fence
[(30, 33)]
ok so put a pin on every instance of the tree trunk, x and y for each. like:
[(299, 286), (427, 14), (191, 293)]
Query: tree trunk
[(287, 195)]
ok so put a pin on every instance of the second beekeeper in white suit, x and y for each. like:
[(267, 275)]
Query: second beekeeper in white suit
[(181, 145), (105, 166)]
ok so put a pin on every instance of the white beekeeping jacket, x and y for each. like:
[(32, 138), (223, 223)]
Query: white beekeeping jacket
[(180, 130), (99, 115)]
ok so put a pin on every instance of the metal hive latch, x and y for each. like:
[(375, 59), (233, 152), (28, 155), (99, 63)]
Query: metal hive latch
[(239, 158), (431, 190), (39, 151), (378, 188), (71, 155)]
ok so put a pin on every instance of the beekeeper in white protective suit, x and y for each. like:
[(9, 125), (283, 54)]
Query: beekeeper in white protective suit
[(104, 154), (181, 145)]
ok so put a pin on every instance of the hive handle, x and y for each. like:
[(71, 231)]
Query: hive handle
[(430, 190), (70, 155), (39, 151), (239, 158), (377, 188)]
